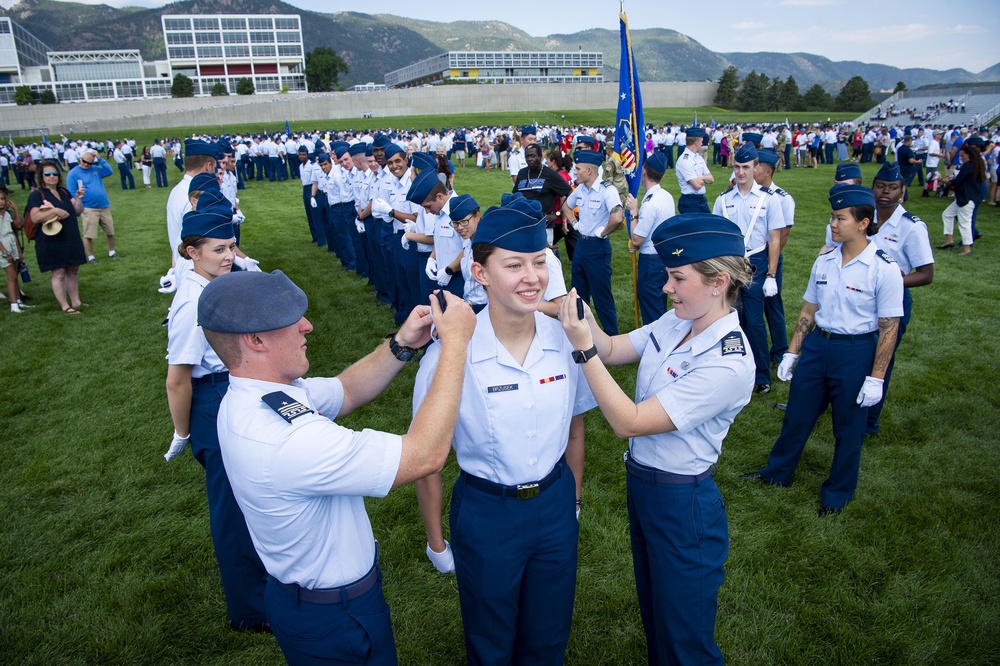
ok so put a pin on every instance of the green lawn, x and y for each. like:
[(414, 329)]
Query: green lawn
[(108, 557)]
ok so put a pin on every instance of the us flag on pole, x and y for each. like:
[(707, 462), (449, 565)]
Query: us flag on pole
[(629, 125)]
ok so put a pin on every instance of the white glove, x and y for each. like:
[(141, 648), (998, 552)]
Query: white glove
[(404, 242), (381, 207), (177, 445), (360, 226), (443, 278), (312, 201), (443, 562), (871, 392), (409, 226), (785, 367), (247, 264), (770, 287), (432, 268), (168, 283), (238, 217)]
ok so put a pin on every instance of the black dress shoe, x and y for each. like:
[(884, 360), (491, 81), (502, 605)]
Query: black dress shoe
[(945, 246), (827, 511), (762, 389)]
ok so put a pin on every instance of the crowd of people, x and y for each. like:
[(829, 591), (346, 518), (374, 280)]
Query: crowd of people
[(512, 355)]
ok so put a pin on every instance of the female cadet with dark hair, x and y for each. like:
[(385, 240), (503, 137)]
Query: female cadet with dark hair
[(846, 334), (695, 375), (513, 521)]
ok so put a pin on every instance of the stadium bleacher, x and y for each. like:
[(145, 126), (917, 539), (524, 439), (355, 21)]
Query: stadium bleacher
[(974, 108)]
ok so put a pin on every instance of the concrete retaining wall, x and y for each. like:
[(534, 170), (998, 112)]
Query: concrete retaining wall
[(314, 107)]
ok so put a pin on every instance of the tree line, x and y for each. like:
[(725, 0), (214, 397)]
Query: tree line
[(758, 92)]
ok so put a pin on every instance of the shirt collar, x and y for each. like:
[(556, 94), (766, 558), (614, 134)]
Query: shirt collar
[(484, 344)]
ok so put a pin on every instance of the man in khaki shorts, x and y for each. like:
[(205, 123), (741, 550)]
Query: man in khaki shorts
[(91, 171)]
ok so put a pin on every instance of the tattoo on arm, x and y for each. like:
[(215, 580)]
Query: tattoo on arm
[(888, 327)]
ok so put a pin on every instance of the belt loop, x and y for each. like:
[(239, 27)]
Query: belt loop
[(344, 601)]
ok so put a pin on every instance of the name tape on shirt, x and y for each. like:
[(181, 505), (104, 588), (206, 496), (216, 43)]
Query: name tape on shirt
[(285, 405), (733, 344), (502, 388)]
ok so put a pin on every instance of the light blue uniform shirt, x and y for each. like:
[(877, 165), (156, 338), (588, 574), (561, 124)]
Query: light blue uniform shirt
[(595, 205), (657, 207), (854, 297), (301, 484), (186, 343), (702, 385), (513, 424), (690, 165), (742, 210), (904, 236)]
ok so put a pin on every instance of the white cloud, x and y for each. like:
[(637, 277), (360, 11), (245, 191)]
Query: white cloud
[(748, 25)]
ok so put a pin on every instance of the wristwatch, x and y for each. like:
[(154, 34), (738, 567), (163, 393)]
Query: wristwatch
[(772, 275), (584, 356), (401, 353), (448, 270)]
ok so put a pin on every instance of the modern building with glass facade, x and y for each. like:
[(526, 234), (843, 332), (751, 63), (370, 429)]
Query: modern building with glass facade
[(210, 49), (502, 67), (224, 48)]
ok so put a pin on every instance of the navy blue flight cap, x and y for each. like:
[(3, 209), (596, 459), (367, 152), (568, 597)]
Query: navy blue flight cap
[(975, 141), (211, 222), (530, 207), (250, 302), (381, 141), (588, 140), (202, 182), (369, 150), (210, 198), (889, 173), (358, 149), (340, 148), (752, 137), (302, 149), (746, 153), (657, 161), (194, 147), (421, 187), (462, 207), (690, 237), (226, 147), (847, 171), (392, 149), (529, 129), (767, 156), (322, 158), (423, 161), (512, 229), (695, 132), (508, 198), (589, 157), (847, 195)]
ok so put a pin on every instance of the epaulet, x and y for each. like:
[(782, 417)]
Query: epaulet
[(885, 256), (285, 405), (729, 189), (606, 183), (733, 344), (910, 216), (684, 156), (831, 250), (766, 190), (780, 192)]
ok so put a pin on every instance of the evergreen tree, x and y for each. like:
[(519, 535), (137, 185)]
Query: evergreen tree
[(817, 99), (729, 85), (752, 92), (900, 87), (183, 86), (219, 90), (24, 95), (854, 96), (791, 100), (774, 99)]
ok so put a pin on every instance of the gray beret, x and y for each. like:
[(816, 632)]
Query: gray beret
[(250, 302)]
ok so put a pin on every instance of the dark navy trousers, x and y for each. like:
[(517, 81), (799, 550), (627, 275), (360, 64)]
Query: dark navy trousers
[(243, 575), (829, 372), (651, 277), (774, 313), (591, 276), (126, 174), (875, 411), (680, 542), (692, 203), (515, 561), (751, 309)]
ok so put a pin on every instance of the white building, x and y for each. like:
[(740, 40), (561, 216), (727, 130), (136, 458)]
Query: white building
[(224, 48), (502, 67)]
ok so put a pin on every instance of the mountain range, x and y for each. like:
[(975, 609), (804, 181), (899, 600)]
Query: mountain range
[(375, 44)]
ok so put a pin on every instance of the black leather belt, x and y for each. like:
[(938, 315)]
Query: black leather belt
[(842, 336), (521, 491), (652, 475), (336, 595), (214, 378)]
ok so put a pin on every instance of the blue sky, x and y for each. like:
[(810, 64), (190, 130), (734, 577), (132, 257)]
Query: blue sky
[(902, 33)]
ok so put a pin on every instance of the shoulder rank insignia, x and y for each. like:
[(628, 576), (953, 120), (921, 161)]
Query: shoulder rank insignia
[(780, 192), (733, 344), (885, 256), (729, 189), (913, 217), (285, 405), (606, 183)]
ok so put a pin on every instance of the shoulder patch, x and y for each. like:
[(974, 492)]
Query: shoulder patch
[(733, 344), (885, 256), (285, 406)]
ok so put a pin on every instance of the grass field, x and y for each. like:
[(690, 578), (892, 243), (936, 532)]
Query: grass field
[(107, 548)]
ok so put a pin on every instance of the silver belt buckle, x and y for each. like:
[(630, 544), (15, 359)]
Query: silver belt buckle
[(527, 491)]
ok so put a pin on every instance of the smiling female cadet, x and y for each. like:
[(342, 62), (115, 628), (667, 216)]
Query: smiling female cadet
[(197, 381), (513, 508), (846, 334), (694, 377)]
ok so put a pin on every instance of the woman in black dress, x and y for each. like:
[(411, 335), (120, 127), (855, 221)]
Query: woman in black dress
[(61, 252)]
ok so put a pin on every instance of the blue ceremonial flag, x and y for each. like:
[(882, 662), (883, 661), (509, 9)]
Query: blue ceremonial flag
[(45, 141), (629, 124), (695, 123), (287, 130)]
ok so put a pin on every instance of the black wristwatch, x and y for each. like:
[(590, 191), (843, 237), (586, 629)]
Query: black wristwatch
[(772, 275), (401, 353), (448, 271), (584, 356)]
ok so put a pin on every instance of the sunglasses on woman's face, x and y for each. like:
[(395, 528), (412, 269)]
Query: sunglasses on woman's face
[(51, 173)]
